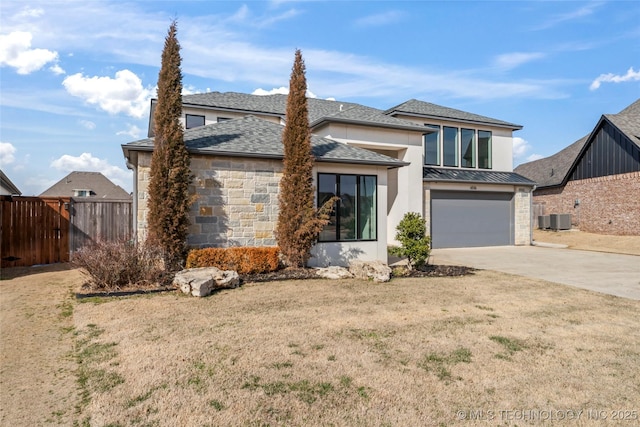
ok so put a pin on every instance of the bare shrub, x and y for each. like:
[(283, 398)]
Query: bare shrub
[(111, 265)]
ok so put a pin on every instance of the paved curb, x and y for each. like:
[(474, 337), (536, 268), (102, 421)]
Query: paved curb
[(549, 245)]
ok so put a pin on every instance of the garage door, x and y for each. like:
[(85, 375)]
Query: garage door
[(467, 219)]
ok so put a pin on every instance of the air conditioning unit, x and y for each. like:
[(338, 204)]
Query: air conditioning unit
[(560, 221), (544, 222)]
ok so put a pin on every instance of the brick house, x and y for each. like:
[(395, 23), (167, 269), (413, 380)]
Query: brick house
[(453, 167), (597, 178)]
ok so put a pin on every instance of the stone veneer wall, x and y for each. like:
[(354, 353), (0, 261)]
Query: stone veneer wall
[(522, 208), (236, 200), (608, 204)]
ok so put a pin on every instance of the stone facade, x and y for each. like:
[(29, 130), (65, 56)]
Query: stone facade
[(236, 200), (607, 205), (522, 208)]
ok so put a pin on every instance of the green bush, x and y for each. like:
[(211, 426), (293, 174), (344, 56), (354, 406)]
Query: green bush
[(414, 244)]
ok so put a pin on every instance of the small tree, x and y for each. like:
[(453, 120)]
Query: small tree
[(414, 244), (169, 201), (299, 223)]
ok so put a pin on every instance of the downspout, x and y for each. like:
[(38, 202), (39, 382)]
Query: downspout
[(531, 214)]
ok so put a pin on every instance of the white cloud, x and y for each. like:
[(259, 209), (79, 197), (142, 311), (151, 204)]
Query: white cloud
[(86, 162), (380, 19), (613, 78), (16, 52), (512, 60), (56, 69), (133, 131), (581, 12), (123, 94), (28, 12), (520, 149), (280, 91), (87, 124), (7, 151)]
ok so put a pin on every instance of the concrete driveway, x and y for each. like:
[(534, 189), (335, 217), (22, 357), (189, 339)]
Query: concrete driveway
[(612, 274)]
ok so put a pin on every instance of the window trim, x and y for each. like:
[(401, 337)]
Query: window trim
[(357, 211), (489, 150), (186, 120), (438, 133), (475, 147), (457, 147)]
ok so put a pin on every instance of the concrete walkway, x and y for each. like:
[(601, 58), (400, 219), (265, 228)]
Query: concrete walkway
[(612, 274)]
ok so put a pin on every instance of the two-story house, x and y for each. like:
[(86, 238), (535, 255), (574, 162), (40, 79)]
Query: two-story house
[(453, 167)]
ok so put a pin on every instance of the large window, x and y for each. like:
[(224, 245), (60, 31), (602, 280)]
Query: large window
[(193, 121), (467, 148), (432, 146), (484, 149), (458, 147), (355, 213), (450, 146)]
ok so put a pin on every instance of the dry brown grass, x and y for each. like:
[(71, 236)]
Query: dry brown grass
[(590, 242), (413, 351)]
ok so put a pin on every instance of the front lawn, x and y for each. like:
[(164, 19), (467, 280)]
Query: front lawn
[(415, 351)]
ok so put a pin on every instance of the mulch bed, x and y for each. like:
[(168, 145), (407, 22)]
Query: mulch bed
[(88, 291), (309, 273)]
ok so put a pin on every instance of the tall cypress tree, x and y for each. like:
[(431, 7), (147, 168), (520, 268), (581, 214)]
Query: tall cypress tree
[(170, 176), (299, 223)]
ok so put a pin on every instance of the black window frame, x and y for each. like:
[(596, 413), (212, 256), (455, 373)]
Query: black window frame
[(489, 150), (428, 138), (192, 116), (358, 212)]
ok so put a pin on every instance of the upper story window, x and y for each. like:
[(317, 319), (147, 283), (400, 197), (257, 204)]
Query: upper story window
[(193, 121), (83, 193), (355, 214), (457, 147)]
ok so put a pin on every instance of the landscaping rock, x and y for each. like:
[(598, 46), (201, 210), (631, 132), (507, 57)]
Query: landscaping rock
[(200, 282), (334, 272), (370, 270)]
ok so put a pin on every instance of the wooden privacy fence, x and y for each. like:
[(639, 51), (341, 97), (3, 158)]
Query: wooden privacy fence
[(45, 230)]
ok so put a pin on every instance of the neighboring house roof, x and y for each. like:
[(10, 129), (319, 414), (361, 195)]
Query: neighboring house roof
[(320, 110), (7, 185), (101, 187), (474, 176), (555, 170), (415, 107), (628, 121), (551, 171), (253, 137)]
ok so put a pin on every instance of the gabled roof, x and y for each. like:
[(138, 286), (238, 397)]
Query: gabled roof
[(99, 184), (415, 107), (320, 110), (551, 171), (253, 137), (6, 183), (555, 170), (474, 176)]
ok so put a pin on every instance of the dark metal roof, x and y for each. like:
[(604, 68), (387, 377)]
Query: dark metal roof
[(554, 170), (474, 176), (429, 110), (253, 137)]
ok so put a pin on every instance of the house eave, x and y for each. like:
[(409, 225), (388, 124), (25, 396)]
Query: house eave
[(511, 126), (324, 120)]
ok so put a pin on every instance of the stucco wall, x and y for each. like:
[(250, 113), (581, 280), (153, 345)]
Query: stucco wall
[(608, 205)]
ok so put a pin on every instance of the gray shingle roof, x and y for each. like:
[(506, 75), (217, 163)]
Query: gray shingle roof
[(253, 137), (99, 184), (474, 176), (429, 110), (628, 121), (320, 110), (552, 171)]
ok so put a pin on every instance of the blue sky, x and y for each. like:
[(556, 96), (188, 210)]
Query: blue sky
[(77, 76)]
